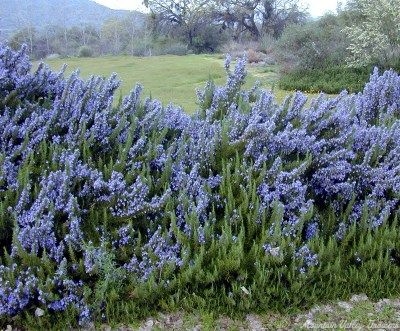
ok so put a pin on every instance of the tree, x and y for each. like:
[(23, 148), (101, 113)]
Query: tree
[(375, 36), (24, 36), (135, 32), (188, 16), (257, 17), (277, 14), (317, 44), (239, 16), (194, 19), (113, 36)]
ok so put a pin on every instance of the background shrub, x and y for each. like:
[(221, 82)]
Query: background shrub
[(174, 48), (85, 51), (141, 47), (208, 39), (313, 58), (331, 80), (313, 45), (254, 56)]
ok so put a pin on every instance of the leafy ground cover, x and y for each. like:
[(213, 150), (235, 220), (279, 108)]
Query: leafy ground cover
[(111, 212), (167, 78)]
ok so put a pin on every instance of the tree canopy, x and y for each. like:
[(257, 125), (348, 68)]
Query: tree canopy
[(375, 33), (239, 18)]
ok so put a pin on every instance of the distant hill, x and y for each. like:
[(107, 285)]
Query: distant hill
[(16, 14)]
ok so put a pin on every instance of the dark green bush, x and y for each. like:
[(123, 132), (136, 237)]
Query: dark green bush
[(331, 80), (85, 51), (208, 39)]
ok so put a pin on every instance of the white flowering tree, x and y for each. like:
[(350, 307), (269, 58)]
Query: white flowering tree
[(375, 37)]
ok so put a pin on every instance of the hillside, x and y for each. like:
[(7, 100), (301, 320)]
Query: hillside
[(16, 14)]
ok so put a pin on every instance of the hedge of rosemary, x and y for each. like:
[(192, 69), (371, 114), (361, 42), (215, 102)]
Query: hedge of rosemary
[(109, 212)]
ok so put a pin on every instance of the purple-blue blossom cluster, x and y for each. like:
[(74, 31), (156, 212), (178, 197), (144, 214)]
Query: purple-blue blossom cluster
[(99, 192), (336, 152), (78, 169), (155, 254)]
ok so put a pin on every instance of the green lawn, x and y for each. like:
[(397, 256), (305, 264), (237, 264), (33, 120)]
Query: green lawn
[(167, 78)]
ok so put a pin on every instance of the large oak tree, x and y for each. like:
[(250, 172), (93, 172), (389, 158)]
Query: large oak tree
[(243, 18)]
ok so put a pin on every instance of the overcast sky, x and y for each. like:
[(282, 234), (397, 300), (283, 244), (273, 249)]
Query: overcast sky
[(316, 7)]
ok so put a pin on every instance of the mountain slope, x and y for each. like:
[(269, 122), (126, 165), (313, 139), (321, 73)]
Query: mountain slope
[(16, 14)]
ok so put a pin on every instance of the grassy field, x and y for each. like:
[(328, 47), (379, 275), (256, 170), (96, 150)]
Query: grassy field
[(167, 78)]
